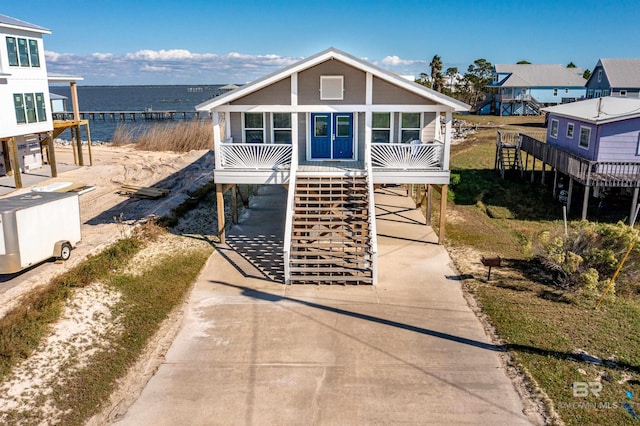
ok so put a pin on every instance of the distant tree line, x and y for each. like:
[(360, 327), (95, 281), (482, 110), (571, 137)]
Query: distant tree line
[(469, 87)]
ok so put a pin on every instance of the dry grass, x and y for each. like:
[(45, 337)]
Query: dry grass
[(182, 136)]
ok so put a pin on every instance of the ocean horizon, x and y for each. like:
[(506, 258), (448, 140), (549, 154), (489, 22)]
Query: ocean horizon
[(182, 97)]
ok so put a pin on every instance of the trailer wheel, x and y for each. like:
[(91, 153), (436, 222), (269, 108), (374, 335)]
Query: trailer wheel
[(65, 251)]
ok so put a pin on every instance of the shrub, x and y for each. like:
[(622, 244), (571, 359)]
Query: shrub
[(589, 252), (182, 136)]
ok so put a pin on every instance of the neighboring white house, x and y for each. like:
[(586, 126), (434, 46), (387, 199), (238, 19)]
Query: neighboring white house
[(25, 103), (331, 126), (24, 91)]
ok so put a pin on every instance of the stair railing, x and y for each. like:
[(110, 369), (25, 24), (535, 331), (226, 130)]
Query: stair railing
[(371, 205), (288, 227)]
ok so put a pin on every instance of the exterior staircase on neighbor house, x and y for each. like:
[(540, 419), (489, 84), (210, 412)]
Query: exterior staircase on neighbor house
[(330, 238), (508, 153)]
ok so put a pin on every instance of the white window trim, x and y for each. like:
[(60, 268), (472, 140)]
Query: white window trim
[(555, 92), (588, 139), (599, 76), (274, 128), (332, 78), (557, 123), (573, 126), (623, 93), (419, 129), (384, 128), (244, 129)]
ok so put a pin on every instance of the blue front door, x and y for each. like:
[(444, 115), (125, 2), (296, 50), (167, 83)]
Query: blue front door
[(331, 136)]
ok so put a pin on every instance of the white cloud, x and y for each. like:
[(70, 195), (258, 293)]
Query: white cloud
[(172, 66), (181, 66)]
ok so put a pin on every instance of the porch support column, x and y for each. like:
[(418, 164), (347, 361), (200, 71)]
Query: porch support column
[(429, 203), (220, 203), (234, 204), (555, 183), (295, 131), (217, 140), (569, 195), (634, 205), (585, 202), (74, 101), (79, 139), (15, 159), (443, 212), (51, 153), (447, 140)]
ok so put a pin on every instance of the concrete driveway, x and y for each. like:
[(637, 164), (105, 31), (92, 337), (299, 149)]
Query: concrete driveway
[(252, 351)]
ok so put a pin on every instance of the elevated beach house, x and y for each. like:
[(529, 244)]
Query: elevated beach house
[(522, 89), (331, 127), (25, 108), (618, 77), (595, 143)]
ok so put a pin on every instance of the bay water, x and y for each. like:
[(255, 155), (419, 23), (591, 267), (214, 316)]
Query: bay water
[(132, 98)]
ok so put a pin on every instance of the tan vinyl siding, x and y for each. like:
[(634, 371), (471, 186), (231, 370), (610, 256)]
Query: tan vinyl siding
[(278, 93), (389, 94), (236, 126), (429, 128), (302, 136), (361, 136), (309, 84)]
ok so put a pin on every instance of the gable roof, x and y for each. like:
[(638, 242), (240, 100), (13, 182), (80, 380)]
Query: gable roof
[(333, 53), (539, 75), (9, 22), (621, 73), (606, 109)]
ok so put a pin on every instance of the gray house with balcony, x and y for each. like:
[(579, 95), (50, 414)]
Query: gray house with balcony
[(330, 127)]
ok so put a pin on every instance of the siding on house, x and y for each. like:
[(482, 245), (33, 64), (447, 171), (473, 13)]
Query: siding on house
[(545, 94), (572, 145), (385, 93), (309, 84), (619, 141), (278, 93)]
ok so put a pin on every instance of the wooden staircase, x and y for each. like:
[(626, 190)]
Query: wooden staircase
[(330, 238), (508, 155)]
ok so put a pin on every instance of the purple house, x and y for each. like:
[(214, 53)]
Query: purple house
[(596, 142), (604, 129)]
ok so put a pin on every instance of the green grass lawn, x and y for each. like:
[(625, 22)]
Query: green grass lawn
[(542, 325)]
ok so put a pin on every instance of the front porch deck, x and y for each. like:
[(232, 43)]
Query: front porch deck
[(251, 163)]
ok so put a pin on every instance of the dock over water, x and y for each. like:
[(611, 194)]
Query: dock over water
[(149, 115)]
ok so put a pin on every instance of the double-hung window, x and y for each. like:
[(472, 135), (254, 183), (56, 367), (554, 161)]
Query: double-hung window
[(570, 129), (554, 129), (410, 126), (585, 135), (381, 127), (23, 52), (253, 127), (281, 127), (29, 107)]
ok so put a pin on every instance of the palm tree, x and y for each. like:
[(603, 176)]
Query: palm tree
[(436, 75)]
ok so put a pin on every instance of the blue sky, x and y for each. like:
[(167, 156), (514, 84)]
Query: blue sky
[(211, 42)]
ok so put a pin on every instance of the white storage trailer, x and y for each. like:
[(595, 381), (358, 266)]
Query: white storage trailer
[(37, 226)]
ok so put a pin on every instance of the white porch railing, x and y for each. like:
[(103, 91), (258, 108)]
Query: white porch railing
[(255, 155), (407, 155), (288, 227), (373, 232)]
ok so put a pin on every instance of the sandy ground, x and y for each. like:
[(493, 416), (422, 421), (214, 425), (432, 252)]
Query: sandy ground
[(106, 212)]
